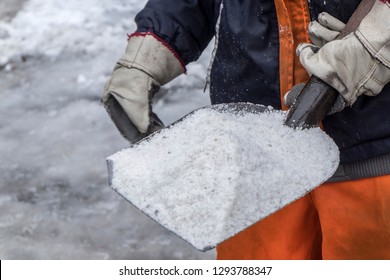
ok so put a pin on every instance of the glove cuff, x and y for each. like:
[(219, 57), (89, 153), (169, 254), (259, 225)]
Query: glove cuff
[(149, 53), (373, 32)]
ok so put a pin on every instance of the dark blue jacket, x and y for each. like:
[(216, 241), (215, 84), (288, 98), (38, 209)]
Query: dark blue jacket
[(246, 66)]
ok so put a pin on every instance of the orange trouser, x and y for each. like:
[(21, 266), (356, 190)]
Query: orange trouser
[(347, 220)]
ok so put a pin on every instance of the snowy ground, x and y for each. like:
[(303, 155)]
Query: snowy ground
[(54, 134)]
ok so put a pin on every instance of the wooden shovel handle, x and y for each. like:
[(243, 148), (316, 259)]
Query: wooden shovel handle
[(317, 97)]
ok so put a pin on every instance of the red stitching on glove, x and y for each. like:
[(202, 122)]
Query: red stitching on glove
[(387, 2), (163, 42)]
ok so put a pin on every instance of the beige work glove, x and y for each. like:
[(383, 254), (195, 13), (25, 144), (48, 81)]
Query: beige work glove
[(321, 32), (146, 65), (357, 64), (325, 30)]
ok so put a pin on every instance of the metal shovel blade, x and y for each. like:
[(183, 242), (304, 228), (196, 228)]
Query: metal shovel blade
[(221, 169)]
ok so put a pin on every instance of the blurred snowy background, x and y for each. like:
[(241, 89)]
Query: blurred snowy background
[(55, 57)]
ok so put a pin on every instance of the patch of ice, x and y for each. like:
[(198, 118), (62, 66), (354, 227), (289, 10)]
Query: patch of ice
[(49, 28)]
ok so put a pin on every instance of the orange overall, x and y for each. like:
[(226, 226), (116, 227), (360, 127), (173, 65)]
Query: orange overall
[(346, 220)]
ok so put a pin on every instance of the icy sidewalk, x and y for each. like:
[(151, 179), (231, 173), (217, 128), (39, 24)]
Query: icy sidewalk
[(55, 202)]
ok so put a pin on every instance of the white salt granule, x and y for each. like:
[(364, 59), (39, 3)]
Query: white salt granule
[(216, 172)]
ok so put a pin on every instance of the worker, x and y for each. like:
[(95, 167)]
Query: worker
[(256, 42)]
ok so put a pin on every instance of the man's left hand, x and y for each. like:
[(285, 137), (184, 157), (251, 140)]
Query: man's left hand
[(357, 64)]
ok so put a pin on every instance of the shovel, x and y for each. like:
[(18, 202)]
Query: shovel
[(207, 208)]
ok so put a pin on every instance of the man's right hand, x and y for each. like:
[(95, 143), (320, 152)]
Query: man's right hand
[(147, 64), (133, 89)]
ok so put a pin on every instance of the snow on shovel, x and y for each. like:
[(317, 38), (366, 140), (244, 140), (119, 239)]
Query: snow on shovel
[(221, 169)]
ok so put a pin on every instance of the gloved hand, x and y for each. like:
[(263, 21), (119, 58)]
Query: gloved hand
[(325, 30), (146, 65), (357, 64), (321, 32)]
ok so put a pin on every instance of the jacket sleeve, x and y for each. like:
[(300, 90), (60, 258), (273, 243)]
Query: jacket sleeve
[(186, 25)]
